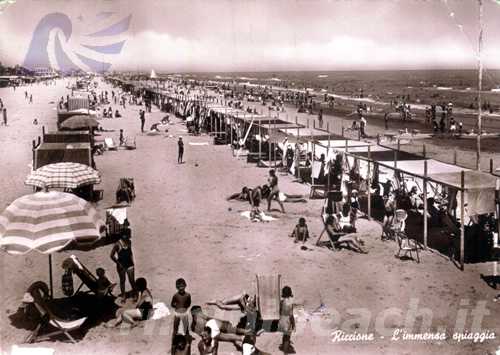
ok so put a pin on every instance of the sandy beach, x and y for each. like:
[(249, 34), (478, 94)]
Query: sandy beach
[(183, 227)]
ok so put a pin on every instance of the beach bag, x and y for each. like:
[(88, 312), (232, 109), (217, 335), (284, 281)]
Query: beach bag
[(67, 283)]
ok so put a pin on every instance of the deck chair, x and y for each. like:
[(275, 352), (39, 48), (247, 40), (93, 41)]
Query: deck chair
[(109, 144), (40, 293), (405, 244), (268, 296), (116, 220), (85, 275)]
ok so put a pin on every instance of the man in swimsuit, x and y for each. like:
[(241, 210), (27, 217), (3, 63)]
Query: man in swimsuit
[(273, 184), (220, 330)]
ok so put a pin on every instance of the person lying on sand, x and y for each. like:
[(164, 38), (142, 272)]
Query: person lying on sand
[(283, 197), (244, 303), (221, 330), (333, 228), (240, 196)]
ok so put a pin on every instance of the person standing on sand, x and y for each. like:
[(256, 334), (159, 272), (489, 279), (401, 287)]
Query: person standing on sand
[(4, 113), (142, 117), (180, 144), (386, 120), (31, 99), (273, 184), (320, 118)]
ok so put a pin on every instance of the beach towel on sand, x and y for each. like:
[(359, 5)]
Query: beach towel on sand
[(263, 217), (160, 310)]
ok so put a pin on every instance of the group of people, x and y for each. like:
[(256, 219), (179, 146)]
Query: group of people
[(255, 196), (108, 113)]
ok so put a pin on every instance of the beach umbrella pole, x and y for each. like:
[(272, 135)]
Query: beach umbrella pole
[(51, 283)]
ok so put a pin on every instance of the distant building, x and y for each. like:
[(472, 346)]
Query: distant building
[(41, 71)]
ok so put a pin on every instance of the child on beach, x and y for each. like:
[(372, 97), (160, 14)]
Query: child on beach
[(300, 233), (286, 323), (102, 281), (181, 302)]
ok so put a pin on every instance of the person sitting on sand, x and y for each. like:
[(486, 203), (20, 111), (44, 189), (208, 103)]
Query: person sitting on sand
[(142, 310), (333, 228), (221, 330), (117, 114), (102, 282), (122, 138), (181, 345), (208, 345), (165, 120), (300, 232), (154, 127), (104, 113)]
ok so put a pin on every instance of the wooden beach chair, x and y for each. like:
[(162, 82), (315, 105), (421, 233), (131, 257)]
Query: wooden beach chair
[(116, 221), (268, 296), (87, 278), (109, 144), (39, 291)]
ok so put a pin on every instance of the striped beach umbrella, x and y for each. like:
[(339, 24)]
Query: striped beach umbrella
[(48, 222), (63, 175)]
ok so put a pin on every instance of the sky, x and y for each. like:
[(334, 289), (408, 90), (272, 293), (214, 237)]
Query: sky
[(254, 35)]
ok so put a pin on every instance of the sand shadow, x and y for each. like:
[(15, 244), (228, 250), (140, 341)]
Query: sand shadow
[(96, 309)]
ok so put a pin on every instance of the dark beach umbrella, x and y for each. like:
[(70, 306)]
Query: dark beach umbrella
[(80, 122)]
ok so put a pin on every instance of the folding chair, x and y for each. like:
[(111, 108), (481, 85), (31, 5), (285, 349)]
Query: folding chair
[(116, 218), (109, 144), (268, 296), (40, 293), (87, 278), (398, 232)]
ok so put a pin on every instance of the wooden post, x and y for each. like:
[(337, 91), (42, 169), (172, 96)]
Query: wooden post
[(329, 160), (396, 158), (491, 165), (260, 141), (269, 139), (346, 146), (497, 208), (454, 156), (43, 131), (368, 182), (425, 203), (424, 152), (378, 138), (462, 217), (231, 133)]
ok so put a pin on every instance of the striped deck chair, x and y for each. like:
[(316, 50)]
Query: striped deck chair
[(268, 296), (40, 294)]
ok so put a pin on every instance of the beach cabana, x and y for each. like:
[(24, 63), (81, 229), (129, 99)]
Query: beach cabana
[(49, 153)]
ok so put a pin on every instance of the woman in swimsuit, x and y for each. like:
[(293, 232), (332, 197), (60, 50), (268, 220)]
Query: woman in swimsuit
[(333, 228), (143, 308), (122, 255)]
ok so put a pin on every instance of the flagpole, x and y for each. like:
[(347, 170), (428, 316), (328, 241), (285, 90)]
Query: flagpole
[(479, 88)]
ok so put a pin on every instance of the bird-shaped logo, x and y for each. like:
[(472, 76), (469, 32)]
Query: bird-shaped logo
[(52, 45)]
